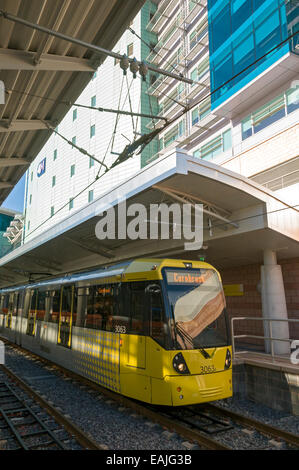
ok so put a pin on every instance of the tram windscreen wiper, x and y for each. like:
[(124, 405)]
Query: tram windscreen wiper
[(189, 338)]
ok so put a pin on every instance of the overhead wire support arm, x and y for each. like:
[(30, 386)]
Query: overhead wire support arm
[(81, 150), (89, 46), (116, 111)]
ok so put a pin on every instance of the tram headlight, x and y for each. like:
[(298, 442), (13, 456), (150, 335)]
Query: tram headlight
[(228, 359), (179, 364)]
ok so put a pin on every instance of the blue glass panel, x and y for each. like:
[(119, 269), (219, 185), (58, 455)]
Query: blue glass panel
[(221, 28), (223, 71), (267, 34), (257, 4), (244, 54), (240, 11)]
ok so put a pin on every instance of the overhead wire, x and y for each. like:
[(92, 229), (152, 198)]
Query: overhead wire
[(147, 138)]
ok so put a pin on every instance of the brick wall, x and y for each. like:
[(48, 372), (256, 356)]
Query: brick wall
[(250, 304)]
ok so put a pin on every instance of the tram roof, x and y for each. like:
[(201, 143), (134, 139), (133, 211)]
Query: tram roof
[(246, 218), (35, 63)]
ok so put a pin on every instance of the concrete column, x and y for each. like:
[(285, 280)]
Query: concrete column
[(274, 303)]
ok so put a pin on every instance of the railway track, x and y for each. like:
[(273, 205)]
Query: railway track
[(22, 428), (199, 424), (272, 431)]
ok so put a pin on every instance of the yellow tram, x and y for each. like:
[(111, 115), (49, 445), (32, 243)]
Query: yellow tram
[(152, 329)]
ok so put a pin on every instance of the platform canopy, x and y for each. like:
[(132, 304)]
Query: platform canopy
[(35, 63), (241, 220)]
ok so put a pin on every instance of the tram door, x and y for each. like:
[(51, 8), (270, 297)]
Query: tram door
[(32, 313), (10, 310), (68, 302)]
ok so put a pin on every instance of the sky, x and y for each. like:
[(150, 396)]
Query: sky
[(15, 200)]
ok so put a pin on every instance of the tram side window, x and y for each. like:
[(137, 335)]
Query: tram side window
[(33, 304), (121, 319), (31, 313), (100, 307), (69, 305), (41, 305), (159, 329), (5, 304), (16, 298), (54, 306), (139, 308), (20, 305), (81, 306)]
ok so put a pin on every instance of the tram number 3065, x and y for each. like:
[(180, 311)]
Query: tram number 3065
[(207, 369)]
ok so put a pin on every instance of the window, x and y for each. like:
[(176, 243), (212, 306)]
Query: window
[(91, 162), (267, 32), (200, 31), (68, 314), (52, 211), (227, 140), (221, 143), (28, 225), (101, 306), (54, 306), (74, 140), (93, 101), (55, 154), (92, 130), (153, 78), (211, 149), (240, 10), (271, 112), (174, 133), (292, 99), (30, 199), (130, 49), (53, 181), (31, 176), (41, 305), (221, 28), (71, 203), (90, 196), (72, 170), (75, 114), (195, 116), (94, 75), (31, 313)]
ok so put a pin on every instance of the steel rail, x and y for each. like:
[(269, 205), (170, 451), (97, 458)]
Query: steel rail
[(170, 423), (74, 430), (17, 406), (292, 439)]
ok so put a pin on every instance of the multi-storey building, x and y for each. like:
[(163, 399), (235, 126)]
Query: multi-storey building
[(244, 110), (243, 58), (61, 179)]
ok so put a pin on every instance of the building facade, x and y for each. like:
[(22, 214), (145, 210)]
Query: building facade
[(244, 114), (242, 56), (61, 180)]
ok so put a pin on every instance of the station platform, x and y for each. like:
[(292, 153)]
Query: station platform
[(272, 381)]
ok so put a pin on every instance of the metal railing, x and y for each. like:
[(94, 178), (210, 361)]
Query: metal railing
[(269, 338)]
